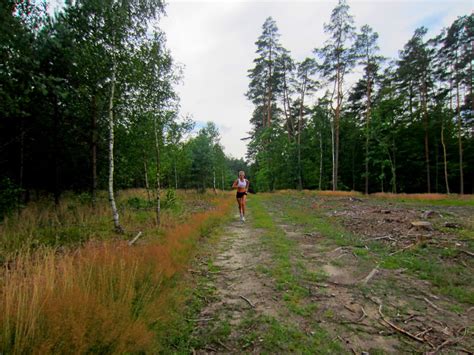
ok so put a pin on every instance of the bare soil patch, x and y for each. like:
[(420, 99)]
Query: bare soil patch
[(401, 225)]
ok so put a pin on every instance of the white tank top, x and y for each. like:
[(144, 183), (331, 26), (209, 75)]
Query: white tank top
[(242, 184)]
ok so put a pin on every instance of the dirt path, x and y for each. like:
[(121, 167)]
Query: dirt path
[(241, 293), (282, 289)]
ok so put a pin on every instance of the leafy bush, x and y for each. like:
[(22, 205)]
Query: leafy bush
[(170, 200), (138, 203)]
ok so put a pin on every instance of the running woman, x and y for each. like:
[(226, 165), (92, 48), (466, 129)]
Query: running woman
[(242, 186)]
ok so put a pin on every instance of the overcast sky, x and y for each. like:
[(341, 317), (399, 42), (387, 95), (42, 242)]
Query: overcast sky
[(215, 41)]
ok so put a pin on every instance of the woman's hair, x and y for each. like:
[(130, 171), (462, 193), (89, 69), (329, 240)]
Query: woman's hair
[(242, 172)]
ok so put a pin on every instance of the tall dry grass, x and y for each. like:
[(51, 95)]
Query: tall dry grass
[(338, 193), (103, 297), (74, 220), (423, 196)]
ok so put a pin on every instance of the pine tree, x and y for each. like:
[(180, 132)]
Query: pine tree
[(367, 48), (415, 71), (338, 60)]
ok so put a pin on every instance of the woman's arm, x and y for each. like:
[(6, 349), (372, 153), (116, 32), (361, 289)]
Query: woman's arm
[(247, 186), (234, 185)]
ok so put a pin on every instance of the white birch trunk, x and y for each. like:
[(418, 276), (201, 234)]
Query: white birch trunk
[(158, 167), (147, 185), (113, 205)]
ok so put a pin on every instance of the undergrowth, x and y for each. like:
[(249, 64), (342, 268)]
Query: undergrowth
[(104, 296)]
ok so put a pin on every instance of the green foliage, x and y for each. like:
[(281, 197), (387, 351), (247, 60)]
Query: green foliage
[(138, 203), (170, 200), (391, 126), (9, 197)]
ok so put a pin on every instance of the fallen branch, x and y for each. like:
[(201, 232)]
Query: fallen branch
[(433, 305), (398, 329), (466, 252), (370, 275), (447, 342), (223, 345), (384, 237), (362, 316), (247, 300), (424, 332), (410, 318), (130, 243)]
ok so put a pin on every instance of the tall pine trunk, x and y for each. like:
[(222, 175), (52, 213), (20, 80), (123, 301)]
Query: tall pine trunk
[(94, 148), (333, 153), (300, 128), (56, 150), (367, 131), (426, 127), (22, 196), (269, 106), (337, 114), (446, 180), (175, 175), (320, 159), (286, 108), (22, 153), (461, 177), (113, 205)]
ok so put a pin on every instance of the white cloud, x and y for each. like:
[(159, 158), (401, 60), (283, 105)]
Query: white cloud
[(215, 41)]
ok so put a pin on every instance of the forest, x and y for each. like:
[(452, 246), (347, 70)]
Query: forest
[(88, 94), (346, 118), (87, 103), (117, 234)]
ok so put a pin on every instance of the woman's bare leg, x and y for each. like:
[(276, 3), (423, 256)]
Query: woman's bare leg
[(242, 204), (239, 201)]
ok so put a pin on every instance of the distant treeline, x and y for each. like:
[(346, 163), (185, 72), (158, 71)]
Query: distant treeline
[(92, 80), (406, 124)]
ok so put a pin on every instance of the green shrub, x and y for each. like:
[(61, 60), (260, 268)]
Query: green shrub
[(9, 197)]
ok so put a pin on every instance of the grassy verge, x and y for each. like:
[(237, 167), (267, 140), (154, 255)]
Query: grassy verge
[(104, 296), (75, 220)]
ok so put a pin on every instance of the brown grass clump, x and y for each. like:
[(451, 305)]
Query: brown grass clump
[(104, 297), (424, 196)]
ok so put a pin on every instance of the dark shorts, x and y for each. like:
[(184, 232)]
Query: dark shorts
[(241, 194)]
